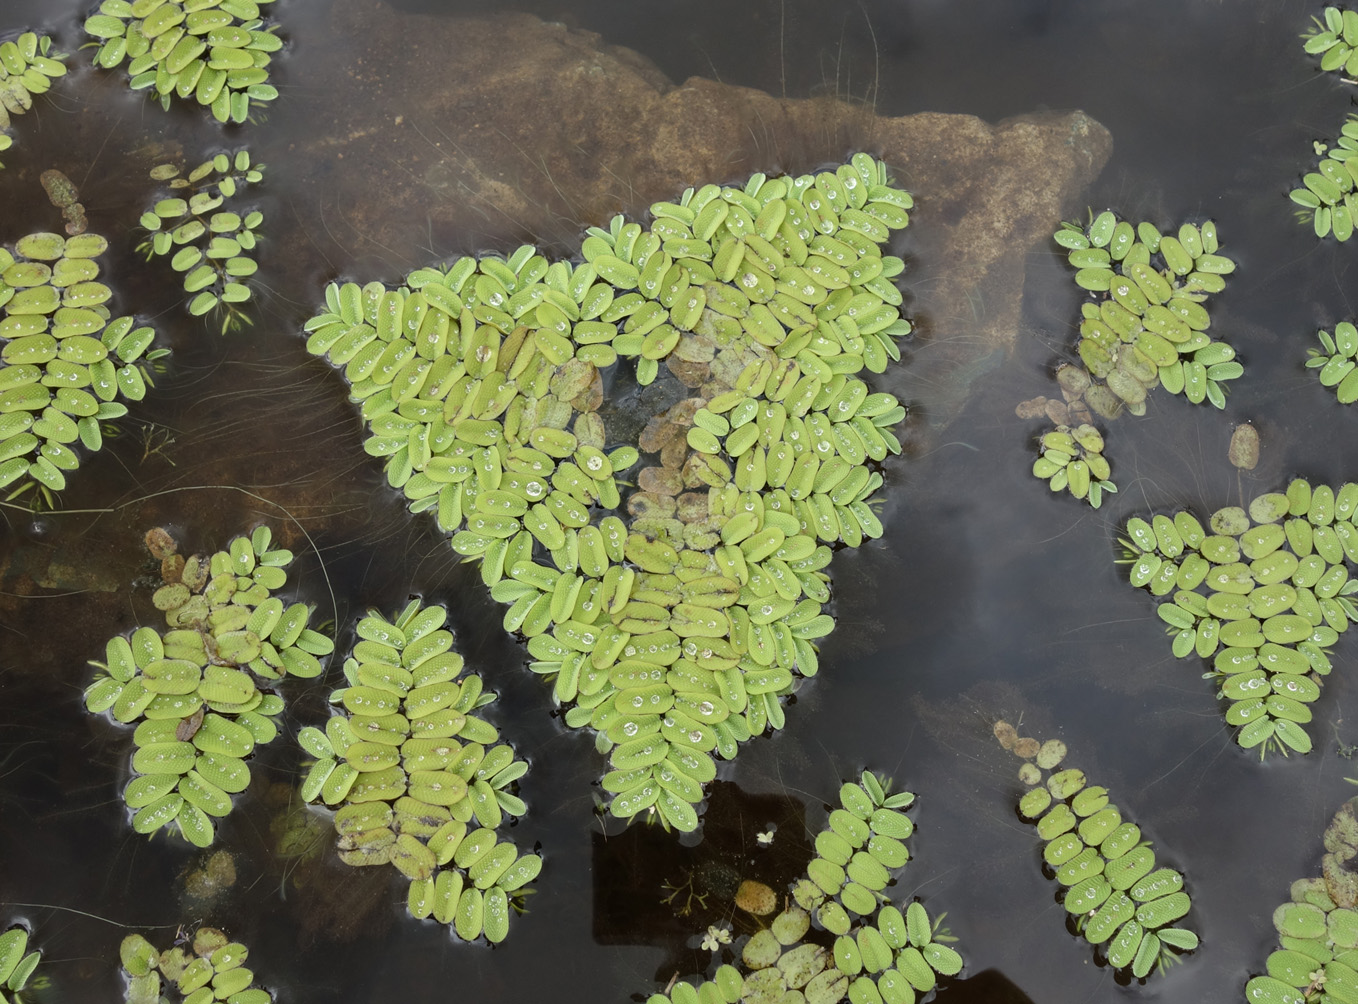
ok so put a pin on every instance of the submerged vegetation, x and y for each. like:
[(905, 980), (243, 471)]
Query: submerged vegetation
[(1115, 895), (879, 953), (673, 635), (215, 52), (411, 768), (209, 242), (211, 969), (65, 362), (196, 690), (1264, 595), (62, 193)]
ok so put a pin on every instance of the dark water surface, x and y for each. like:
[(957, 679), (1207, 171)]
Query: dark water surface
[(987, 597)]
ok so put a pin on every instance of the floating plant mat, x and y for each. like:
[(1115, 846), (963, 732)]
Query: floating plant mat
[(210, 244), (1338, 363), (216, 52), (1150, 326), (1145, 326), (1317, 928), (878, 954), (1264, 595), (1073, 459), (195, 690), (16, 967), (65, 362), (674, 634), (407, 763), (211, 970), (27, 67), (1115, 895), (1327, 194), (1335, 40)]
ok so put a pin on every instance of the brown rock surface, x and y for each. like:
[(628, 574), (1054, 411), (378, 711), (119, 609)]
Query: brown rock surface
[(532, 131)]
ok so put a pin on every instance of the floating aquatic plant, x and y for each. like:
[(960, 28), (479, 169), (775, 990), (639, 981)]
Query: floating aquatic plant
[(1327, 194), (16, 965), (1262, 594), (1073, 459), (195, 690), (1317, 929), (879, 953), (411, 767), (210, 970), (209, 243), (1115, 892), (1146, 325), (27, 67), (1338, 363), (1335, 40), (65, 363), (672, 635), (715, 938), (216, 52)]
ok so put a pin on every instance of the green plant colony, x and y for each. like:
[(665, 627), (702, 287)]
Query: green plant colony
[(1115, 894), (211, 970), (27, 67), (1338, 362), (674, 634), (196, 691), (1072, 458), (1144, 326), (480, 385), (412, 769), (1263, 594), (879, 953), (207, 241), (17, 964), (215, 52), (1317, 957), (1327, 193), (66, 362)]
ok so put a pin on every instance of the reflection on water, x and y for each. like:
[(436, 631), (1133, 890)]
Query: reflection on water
[(987, 598)]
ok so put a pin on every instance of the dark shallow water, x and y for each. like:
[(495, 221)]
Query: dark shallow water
[(986, 597)]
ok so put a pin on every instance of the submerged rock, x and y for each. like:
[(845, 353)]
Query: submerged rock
[(531, 131)]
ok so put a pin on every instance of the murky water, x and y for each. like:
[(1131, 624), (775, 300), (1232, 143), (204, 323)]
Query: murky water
[(986, 598)]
